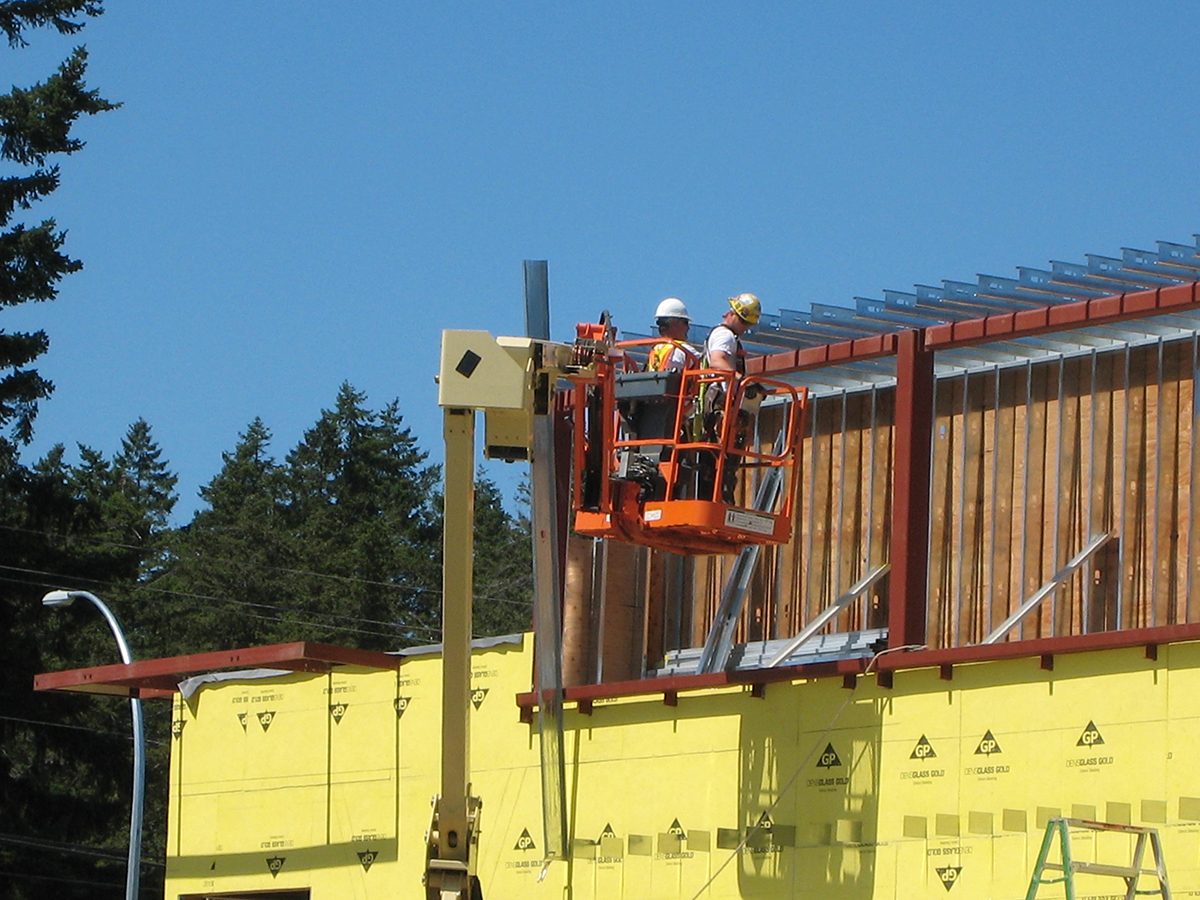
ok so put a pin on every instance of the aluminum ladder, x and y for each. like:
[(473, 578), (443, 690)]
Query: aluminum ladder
[(1070, 867)]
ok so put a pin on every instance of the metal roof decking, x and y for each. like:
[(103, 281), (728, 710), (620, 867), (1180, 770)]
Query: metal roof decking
[(934, 307)]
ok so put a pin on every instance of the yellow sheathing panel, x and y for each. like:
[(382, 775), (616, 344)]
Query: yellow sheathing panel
[(932, 788)]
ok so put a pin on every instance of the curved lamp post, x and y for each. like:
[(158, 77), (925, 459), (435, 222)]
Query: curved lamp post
[(66, 598)]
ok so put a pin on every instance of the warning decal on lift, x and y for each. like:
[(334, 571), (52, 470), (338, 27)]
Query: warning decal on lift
[(748, 521)]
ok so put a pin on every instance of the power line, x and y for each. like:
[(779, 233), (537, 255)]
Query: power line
[(348, 579), (45, 724), (72, 849), (291, 611)]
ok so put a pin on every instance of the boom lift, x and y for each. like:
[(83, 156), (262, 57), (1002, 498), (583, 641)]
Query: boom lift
[(656, 453), (641, 472), (512, 381)]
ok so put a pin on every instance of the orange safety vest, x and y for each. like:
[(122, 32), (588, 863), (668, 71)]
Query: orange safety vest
[(660, 357)]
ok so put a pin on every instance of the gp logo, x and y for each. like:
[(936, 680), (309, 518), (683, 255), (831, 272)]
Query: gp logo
[(366, 858), (478, 696), (265, 719), (988, 745), (401, 704), (1090, 737), (829, 758), (525, 841), (949, 875), (923, 750), (275, 864)]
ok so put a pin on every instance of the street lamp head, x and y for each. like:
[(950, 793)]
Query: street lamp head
[(58, 598)]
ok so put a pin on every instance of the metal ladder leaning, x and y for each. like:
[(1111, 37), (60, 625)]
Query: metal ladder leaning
[(1069, 867)]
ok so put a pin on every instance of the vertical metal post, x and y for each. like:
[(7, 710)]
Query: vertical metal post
[(1027, 467), (960, 539), (1123, 450), (1090, 531), (537, 299), (547, 577), (836, 531), (137, 802), (812, 512), (1158, 417), (458, 552), (1193, 488), (909, 552), (992, 576), (870, 516), (599, 593), (547, 581), (1058, 491)]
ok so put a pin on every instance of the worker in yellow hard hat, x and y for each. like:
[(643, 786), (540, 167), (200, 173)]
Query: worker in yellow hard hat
[(723, 351)]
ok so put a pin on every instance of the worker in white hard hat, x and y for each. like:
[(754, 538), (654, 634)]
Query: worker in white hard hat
[(723, 351), (673, 321)]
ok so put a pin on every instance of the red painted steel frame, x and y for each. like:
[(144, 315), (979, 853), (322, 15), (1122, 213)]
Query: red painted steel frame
[(159, 678), (909, 552), (914, 351), (885, 667)]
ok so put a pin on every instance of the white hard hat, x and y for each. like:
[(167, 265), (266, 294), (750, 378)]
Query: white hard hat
[(672, 308)]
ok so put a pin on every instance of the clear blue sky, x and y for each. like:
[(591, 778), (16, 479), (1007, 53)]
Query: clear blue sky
[(294, 195)]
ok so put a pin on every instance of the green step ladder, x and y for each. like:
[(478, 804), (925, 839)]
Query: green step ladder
[(1070, 867)]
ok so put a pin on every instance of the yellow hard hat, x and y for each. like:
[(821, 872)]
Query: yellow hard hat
[(747, 307)]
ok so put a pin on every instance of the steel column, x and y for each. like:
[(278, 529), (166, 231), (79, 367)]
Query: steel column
[(909, 554)]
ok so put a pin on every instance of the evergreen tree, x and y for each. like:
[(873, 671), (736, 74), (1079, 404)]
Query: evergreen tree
[(65, 761), (339, 543), (35, 125), (60, 779), (232, 566), (360, 501), (143, 477), (503, 602)]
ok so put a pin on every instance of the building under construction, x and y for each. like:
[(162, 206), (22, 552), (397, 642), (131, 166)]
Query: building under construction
[(976, 635)]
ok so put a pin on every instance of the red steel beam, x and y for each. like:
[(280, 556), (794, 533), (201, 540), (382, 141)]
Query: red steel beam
[(909, 551), (1002, 326), (671, 686), (884, 666), (159, 678), (824, 355), (1149, 639), (1064, 317)]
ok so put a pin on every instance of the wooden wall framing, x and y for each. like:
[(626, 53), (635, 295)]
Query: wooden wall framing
[(1029, 462)]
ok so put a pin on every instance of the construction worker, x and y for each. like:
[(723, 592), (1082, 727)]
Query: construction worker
[(673, 322), (723, 351)]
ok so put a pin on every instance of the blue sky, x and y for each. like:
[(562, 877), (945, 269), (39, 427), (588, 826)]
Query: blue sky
[(297, 195)]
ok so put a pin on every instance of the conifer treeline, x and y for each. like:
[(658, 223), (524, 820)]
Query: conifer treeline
[(338, 541)]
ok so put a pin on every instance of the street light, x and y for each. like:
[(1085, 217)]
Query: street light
[(66, 598)]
